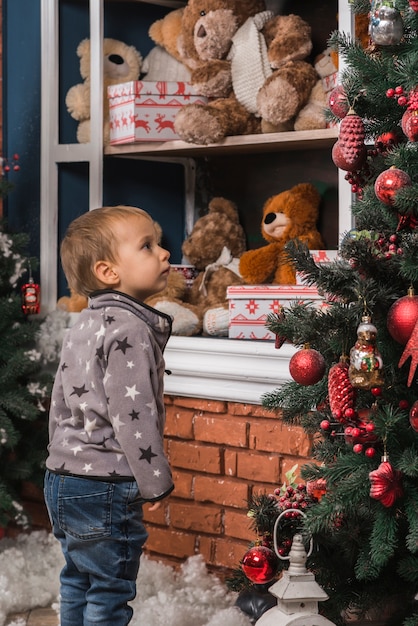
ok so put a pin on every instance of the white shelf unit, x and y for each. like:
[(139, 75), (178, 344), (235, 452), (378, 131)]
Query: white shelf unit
[(212, 368)]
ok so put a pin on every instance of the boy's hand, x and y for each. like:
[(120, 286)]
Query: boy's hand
[(155, 506)]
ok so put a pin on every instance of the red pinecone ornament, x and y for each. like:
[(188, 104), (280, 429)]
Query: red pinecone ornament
[(386, 484), (349, 152), (341, 393)]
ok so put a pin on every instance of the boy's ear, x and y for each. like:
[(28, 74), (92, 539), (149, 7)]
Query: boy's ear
[(106, 273)]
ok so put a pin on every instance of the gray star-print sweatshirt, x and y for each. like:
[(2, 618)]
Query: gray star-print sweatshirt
[(107, 406)]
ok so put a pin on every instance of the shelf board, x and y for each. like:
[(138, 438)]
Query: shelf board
[(241, 144), (171, 4)]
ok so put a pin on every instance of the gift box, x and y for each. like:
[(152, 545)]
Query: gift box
[(142, 110), (250, 306)]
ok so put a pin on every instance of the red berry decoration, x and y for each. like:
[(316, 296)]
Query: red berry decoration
[(349, 152), (386, 485), (260, 564), (307, 366), (389, 182), (402, 317), (341, 393), (413, 416), (338, 102)]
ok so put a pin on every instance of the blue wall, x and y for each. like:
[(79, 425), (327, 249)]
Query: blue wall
[(156, 187)]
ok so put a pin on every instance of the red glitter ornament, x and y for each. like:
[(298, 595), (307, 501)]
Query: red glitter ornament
[(413, 416), (414, 5), (386, 484), (389, 182), (411, 350), (307, 366), (338, 102), (349, 152), (402, 317), (260, 564), (341, 393), (411, 126)]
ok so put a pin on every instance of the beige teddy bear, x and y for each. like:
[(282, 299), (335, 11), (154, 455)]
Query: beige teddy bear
[(121, 63)]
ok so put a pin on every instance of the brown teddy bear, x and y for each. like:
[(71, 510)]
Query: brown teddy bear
[(291, 214), (121, 63), (74, 303), (250, 63), (163, 62)]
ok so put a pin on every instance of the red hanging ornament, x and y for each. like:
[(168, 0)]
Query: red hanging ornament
[(410, 125), (411, 350), (414, 5), (413, 416), (341, 393), (386, 485), (338, 102), (307, 366), (389, 182), (349, 152), (260, 564), (402, 317), (31, 296)]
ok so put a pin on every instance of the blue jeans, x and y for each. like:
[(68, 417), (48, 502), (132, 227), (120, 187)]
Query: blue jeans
[(99, 525)]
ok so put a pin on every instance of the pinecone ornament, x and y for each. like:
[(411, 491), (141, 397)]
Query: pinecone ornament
[(341, 393), (349, 152)]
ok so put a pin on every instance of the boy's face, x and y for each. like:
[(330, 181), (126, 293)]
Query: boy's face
[(142, 265)]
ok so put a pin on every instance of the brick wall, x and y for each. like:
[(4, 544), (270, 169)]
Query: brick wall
[(220, 453)]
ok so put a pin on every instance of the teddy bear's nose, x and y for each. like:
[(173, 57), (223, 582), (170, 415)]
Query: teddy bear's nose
[(116, 59), (269, 218), (201, 32)]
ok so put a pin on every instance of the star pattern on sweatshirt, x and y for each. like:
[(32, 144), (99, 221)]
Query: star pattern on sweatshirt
[(112, 363)]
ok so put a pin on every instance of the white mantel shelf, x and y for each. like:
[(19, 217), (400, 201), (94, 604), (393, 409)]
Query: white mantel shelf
[(225, 369)]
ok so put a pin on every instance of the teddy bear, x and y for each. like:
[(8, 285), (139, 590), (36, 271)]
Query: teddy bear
[(163, 62), (187, 318), (121, 63), (249, 63), (291, 214), (74, 303)]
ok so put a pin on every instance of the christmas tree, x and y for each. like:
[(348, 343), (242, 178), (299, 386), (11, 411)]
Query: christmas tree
[(354, 378), (24, 386)]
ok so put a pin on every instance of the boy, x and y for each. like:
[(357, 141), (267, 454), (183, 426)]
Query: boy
[(106, 455)]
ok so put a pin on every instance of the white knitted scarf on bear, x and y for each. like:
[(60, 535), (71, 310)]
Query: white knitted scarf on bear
[(250, 66)]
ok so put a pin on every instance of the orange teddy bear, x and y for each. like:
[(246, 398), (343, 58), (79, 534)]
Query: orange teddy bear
[(291, 214)]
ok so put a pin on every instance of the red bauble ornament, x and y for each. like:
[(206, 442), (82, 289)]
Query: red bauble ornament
[(307, 366), (411, 350), (260, 564), (341, 393), (414, 5), (410, 126), (389, 182), (413, 416), (338, 102), (386, 484), (402, 317)]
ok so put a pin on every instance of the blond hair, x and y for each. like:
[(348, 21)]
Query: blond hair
[(91, 238)]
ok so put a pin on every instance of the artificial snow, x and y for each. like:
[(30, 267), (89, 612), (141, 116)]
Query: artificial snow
[(29, 578)]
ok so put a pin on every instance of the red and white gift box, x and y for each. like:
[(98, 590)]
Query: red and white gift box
[(142, 110), (250, 306)]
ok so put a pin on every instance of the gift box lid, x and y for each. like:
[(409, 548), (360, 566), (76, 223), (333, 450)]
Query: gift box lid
[(269, 292), (151, 87)]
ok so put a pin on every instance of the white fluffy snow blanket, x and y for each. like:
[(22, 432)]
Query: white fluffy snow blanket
[(29, 575)]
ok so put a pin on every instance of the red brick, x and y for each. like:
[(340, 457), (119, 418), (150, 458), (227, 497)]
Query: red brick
[(259, 467), (222, 430), (199, 457), (221, 491), (276, 436), (196, 518), (170, 543), (253, 410), (183, 484), (229, 553), (237, 524), (156, 517), (230, 462), (198, 404), (288, 462), (179, 423)]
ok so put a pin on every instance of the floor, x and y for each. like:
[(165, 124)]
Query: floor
[(37, 617)]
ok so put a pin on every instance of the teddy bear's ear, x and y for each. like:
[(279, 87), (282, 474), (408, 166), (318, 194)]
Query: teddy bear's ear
[(224, 206), (83, 48), (307, 193)]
